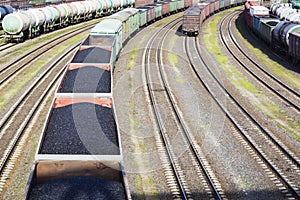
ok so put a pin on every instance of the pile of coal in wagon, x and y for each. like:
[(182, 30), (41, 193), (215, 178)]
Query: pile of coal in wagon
[(78, 187), (81, 128), (87, 79), (92, 55)]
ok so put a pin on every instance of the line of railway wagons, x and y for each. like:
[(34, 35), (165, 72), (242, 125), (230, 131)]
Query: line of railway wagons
[(5, 10), (280, 28), (194, 17), (79, 155), (21, 25)]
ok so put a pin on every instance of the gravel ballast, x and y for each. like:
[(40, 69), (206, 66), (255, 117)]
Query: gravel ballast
[(92, 55), (78, 187), (87, 79), (81, 128)]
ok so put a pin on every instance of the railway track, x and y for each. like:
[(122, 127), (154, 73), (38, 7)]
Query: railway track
[(6, 46), (29, 104), (16, 120), (8, 71), (158, 94), (282, 164), (287, 94)]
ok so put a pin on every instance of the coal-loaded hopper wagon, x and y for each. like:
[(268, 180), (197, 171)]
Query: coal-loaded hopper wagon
[(79, 155), (90, 68), (82, 180)]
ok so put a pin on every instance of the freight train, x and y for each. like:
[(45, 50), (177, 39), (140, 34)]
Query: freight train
[(5, 10), (80, 143), (79, 155), (279, 27), (21, 25), (80, 152), (194, 16)]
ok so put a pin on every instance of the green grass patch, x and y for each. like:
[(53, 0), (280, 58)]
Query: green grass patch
[(131, 63), (11, 91), (258, 98), (172, 58)]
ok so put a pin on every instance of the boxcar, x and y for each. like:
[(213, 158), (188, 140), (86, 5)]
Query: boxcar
[(227, 3), (180, 5), (233, 2), (165, 7), (157, 10), (191, 20), (211, 6), (188, 3), (110, 27), (150, 13), (217, 5), (134, 19), (143, 16), (173, 5), (123, 17), (205, 9), (294, 46), (221, 4)]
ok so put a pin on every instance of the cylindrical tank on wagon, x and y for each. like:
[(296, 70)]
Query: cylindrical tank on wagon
[(70, 11), (89, 7), (132, 2), (97, 5), (277, 9), (291, 16), (55, 14), (273, 7), (47, 13), (282, 14), (125, 3), (15, 23), (103, 4), (5, 10), (62, 10), (117, 4), (80, 9), (278, 29), (281, 9), (73, 9), (122, 3), (37, 16), (110, 4), (287, 30)]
